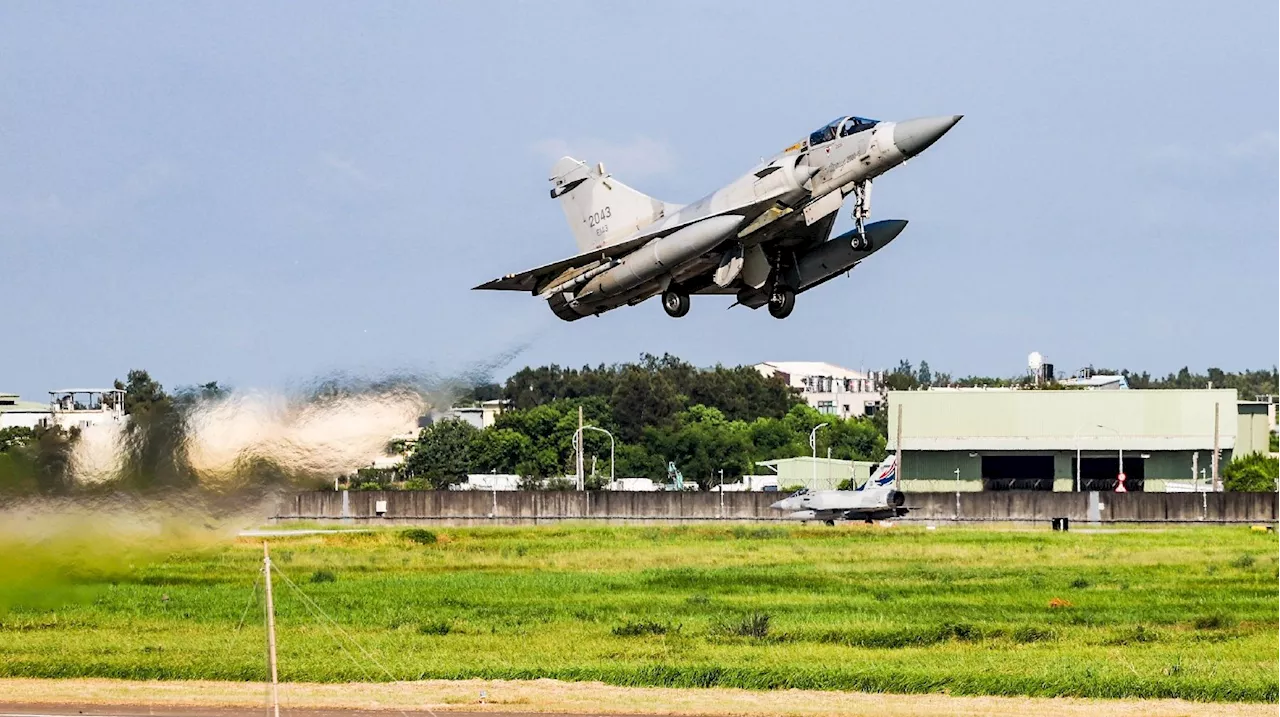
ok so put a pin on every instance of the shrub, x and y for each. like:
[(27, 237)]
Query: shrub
[(323, 576), (754, 625), (1136, 636), (1244, 561), (1216, 621), (1079, 583), (1030, 633), (635, 629), (421, 536), (1253, 472), (742, 532), (438, 627)]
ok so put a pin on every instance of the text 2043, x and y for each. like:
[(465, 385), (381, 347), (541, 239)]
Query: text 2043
[(597, 217)]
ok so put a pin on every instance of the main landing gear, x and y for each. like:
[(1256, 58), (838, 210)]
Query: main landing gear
[(675, 303), (781, 302)]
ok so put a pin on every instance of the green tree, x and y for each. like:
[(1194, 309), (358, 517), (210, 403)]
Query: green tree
[(155, 446), (142, 392), (1254, 472), (14, 437), (442, 455), (499, 450), (641, 399)]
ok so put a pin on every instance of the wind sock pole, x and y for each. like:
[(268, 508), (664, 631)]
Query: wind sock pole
[(271, 633)]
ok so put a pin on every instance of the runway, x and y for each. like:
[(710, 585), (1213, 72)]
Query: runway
[(71, 710)]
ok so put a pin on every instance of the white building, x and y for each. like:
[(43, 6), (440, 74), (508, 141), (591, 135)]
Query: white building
[(68, 408), (16, 413), (481, 416), (489, 482), (829, 388), (84, 407)]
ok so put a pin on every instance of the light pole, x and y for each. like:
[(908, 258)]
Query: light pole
[(1121, 448), (721, 492), (577, 437), (813, 444), (1076, 440), (957, 493)]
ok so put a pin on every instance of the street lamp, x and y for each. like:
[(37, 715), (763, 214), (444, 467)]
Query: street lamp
[(1120, 447), (957, 492), (721, 492), (813, 444), (577, 442), (1076, 440)]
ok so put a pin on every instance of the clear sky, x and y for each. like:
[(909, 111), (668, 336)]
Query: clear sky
[(258, 193)]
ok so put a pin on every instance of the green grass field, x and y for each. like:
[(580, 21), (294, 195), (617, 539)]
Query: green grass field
[(1184, 612)]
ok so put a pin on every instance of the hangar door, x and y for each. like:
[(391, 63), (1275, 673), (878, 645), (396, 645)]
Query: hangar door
[(1100, 473), (1020, 472)]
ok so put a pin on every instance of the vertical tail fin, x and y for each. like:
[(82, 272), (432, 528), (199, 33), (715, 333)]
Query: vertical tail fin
[(600, 209), (884, 474)]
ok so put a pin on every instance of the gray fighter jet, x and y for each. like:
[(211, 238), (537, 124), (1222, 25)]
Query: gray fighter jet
[(878, 498), (764, 238)]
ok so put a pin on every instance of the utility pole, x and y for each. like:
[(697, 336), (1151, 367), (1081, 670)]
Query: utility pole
[(897, 459), (1216, 487), (581, 476), (271, 633), (1195, 470)]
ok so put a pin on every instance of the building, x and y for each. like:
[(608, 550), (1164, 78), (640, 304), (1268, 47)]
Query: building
[(481, 415), (16, 413), (68, 408), (829, 388), (749, 484), (489, 482), (1003, 439), (84, 407), (817, 473)]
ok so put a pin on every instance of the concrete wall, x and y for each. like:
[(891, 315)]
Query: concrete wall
[(532, 507)]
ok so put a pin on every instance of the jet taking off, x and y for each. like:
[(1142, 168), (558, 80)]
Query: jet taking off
[(764, 238)]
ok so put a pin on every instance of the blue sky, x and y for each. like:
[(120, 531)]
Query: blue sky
[(261, 193)]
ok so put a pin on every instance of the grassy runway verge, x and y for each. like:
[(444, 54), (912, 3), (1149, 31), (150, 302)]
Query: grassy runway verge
[(1187, 613)]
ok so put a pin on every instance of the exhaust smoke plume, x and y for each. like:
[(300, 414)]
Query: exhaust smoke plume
[(194, 471)]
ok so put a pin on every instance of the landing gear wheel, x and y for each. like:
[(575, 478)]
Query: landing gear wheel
[(830, 523), (675, 303), (781, 302)]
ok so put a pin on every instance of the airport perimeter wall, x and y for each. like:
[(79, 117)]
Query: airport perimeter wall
[(536, 507)]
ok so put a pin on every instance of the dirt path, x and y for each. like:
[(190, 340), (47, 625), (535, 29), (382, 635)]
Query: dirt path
[(551, 696)]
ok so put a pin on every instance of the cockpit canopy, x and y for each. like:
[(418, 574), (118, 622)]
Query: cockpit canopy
[(841, 127)]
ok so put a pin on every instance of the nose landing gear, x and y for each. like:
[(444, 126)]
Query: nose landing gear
[(675, 303)]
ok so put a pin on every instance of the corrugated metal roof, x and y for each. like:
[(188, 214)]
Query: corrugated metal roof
[(24, 407), (1061, 420)]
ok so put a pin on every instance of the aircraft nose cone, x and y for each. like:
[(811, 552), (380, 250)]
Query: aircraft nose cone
[(914, 136)]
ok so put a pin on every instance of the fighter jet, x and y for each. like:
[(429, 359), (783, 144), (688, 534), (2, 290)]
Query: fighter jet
[(764, 238), (878, 498)]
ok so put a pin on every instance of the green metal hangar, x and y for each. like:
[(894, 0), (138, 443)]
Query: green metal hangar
[(1008, 439)]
